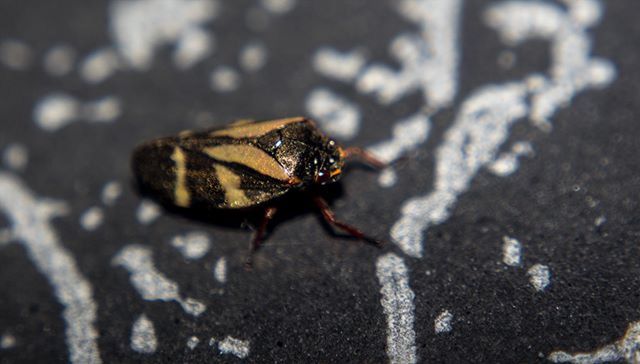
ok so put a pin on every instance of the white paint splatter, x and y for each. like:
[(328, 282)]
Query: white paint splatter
[(212, 341), (193, 342), (194, 45), (471, 142), (599, 221), (539, 276), (147, 212), (428, 59), (397, 303), (149, 282), (7, 341), (336, 115), (442, 323), (220, 270), (237, 347), (30, 222), (92, 218), (59, 60), (224, 79), (511, 251), (253, 56), (111, 192), (340, 66), (278, 6), (58, 110), (15, 54), (193, 245), (507, 163), (627, 349), (143, 336), (406, 135), (100, 65), (16, 156), (387, 177), (139, 27)]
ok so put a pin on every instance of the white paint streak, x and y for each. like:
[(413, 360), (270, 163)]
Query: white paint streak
[(16, 156), (406, 135), (397, 303), (7, 341), (627, 348), (30, 221), (147, 212), (471, 142), (253, 56), (92, 218), (15, 54), (428, 59), (220, 270), (111, 192), (58, 110), (336, 115), (143, 336), (539, 276), (340, 66), (224, 79), (442, 323), (139, 27), (149, 282), (194, 45), (511, 251), (193, 342), (507, 162), (193, 245), (59, 60), (100, 65), (278, 6), (237, 347)]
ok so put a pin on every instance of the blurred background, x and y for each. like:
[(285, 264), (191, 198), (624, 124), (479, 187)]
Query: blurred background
[(511, 215)]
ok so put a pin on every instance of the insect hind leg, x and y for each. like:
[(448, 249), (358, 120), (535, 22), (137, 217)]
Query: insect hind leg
[(330, 218), (269, 213)]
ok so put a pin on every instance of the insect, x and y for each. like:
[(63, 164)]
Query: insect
[(247, 164)]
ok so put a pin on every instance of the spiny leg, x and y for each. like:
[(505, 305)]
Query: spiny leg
[(269, 212), (363, 155), (330, 218)]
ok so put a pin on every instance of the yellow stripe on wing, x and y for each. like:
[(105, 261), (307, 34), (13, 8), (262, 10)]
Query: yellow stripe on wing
[(250, 156), (230, 183), (254, 130), (181, 194)]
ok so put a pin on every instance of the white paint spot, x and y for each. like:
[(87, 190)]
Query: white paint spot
[(220, 270), (193, 245), (57, 110), (253, 56), (406, 135), (539, 276), (599, 221), (442, 323), (336, 115), (511, 251), (278, 6), (387, 177), (212, 342), (16, 156), (627, 349), (100, 65), (237, 347), (147, 212), (340, 66), (30, 223), (111, 192), (194, 45), (7, 341), (59, 60), (15, 54), (428, 60), (397, 303), (507, 163), (139, 27), (224, 79), (193, 342), (149, 282), (143, 336), (92, 218)]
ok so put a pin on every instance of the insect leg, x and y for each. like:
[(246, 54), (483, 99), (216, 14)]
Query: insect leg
[(269, 212), (363, 155), (330, 218)]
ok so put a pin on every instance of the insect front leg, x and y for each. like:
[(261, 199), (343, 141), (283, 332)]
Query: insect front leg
[(330, 218), (269, 213)]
